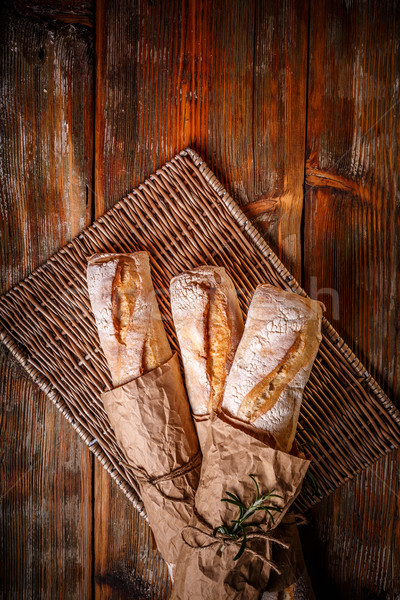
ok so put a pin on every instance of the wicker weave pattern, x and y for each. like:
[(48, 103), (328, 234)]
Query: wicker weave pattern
[(184, 217)]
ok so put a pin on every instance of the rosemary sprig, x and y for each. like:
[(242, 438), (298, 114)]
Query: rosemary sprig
[(238, 528)]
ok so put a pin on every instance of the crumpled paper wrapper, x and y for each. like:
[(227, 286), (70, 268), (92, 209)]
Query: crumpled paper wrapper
[(204, 571), (151, 419)]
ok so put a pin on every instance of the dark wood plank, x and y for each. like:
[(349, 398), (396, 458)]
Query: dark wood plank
[(127, 563), (47, 146), (352, 248), (170, 75), (46, 496), (279, 125), (46, 116)]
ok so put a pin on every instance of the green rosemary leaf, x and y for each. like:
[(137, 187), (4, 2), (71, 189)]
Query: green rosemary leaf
[(277, 508), (242, 545), (257, 488), (238, 527), (234, 497), (229, 501), (271, 495), (219, 529), (272, 517)]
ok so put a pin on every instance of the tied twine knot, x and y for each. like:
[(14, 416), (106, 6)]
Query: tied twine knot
[(199, 540), (180, 471)]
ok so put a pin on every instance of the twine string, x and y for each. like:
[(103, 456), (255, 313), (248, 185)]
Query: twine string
[(211, 540), (218, 538), (192, 464)]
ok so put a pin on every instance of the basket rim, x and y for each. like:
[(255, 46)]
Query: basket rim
[(256, 238)]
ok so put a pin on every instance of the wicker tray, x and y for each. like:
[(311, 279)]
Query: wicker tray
[(184, 217)]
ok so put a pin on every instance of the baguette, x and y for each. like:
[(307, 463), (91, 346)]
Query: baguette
[(209, 325), (273, 362), (128, 319)]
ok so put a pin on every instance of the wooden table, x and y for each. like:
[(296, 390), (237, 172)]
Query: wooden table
[(295, 106)]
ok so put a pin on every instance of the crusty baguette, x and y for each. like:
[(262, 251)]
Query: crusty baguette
[(273, 362), (128, 319), (209, 325)]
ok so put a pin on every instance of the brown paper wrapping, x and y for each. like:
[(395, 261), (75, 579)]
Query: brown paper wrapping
[(151, 419), (202, 424), (153, 426), (204, 572)]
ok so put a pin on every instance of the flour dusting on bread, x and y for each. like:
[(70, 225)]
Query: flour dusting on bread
[(128, 319), (273, 362), (209, 325)]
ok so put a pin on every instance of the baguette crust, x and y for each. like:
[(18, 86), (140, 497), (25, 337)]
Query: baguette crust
[(128, 319), (209, 325), (273, 362)]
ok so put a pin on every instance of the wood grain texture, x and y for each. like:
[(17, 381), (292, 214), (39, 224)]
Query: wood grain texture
[(127, 563), (352, 248), (46, 120), (46, 155), (279, 125), (170, 75), (46, 496)]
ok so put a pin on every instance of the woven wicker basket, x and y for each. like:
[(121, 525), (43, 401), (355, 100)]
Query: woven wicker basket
[(184, 217)]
